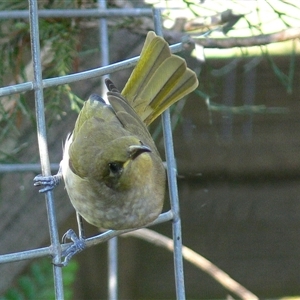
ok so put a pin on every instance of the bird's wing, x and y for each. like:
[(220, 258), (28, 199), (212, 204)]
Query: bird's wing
[(97, 123), (129, 119)]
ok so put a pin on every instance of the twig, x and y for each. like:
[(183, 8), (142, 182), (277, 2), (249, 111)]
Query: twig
[(258, 40), (199, 261)]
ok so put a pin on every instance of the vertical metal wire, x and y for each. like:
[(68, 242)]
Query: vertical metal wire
[(103, 45), (113, 268), (42, 143), (112, 243), (172, 174)]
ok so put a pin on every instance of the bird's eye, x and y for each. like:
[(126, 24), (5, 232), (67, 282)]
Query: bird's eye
[(115, 168)]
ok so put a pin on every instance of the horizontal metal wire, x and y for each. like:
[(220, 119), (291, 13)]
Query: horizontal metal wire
[(78, 13), (97, 239), (6, 168), (97, 72)]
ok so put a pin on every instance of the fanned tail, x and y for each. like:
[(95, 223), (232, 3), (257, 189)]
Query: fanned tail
[(158, 80)]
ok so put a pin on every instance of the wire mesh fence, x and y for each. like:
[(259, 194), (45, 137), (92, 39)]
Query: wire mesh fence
[(38, 85)]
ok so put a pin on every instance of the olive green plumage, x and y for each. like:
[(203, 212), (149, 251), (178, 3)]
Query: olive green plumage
[(112, 170)]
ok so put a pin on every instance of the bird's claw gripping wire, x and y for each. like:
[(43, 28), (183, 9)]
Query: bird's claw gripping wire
[(48, 182), (77, 246)]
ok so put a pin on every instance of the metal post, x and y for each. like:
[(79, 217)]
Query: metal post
[(42, 142), (172, 174), (112, 243)]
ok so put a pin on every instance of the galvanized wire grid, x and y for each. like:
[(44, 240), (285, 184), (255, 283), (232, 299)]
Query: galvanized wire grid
[(37, 86)]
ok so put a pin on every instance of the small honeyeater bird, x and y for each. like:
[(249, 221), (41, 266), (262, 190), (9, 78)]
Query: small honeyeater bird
[(111, 167)]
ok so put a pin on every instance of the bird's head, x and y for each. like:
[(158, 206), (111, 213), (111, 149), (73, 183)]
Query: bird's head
[(123, 162)]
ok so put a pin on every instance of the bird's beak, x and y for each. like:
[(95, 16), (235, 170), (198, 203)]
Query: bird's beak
[(136, 150)]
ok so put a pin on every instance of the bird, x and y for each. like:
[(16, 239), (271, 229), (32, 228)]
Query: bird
[(112, 170)]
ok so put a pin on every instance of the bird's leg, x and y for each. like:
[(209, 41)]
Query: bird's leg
[(78, 242), (49, 182), (80, 226)]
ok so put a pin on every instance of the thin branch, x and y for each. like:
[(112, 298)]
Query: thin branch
[(199, 261), (262, 39)]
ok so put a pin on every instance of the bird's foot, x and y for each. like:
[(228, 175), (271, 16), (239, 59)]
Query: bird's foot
[(77, 246), (49, 182)]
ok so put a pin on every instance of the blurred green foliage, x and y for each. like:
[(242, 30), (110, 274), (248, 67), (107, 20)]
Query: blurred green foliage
[(38, 283)]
